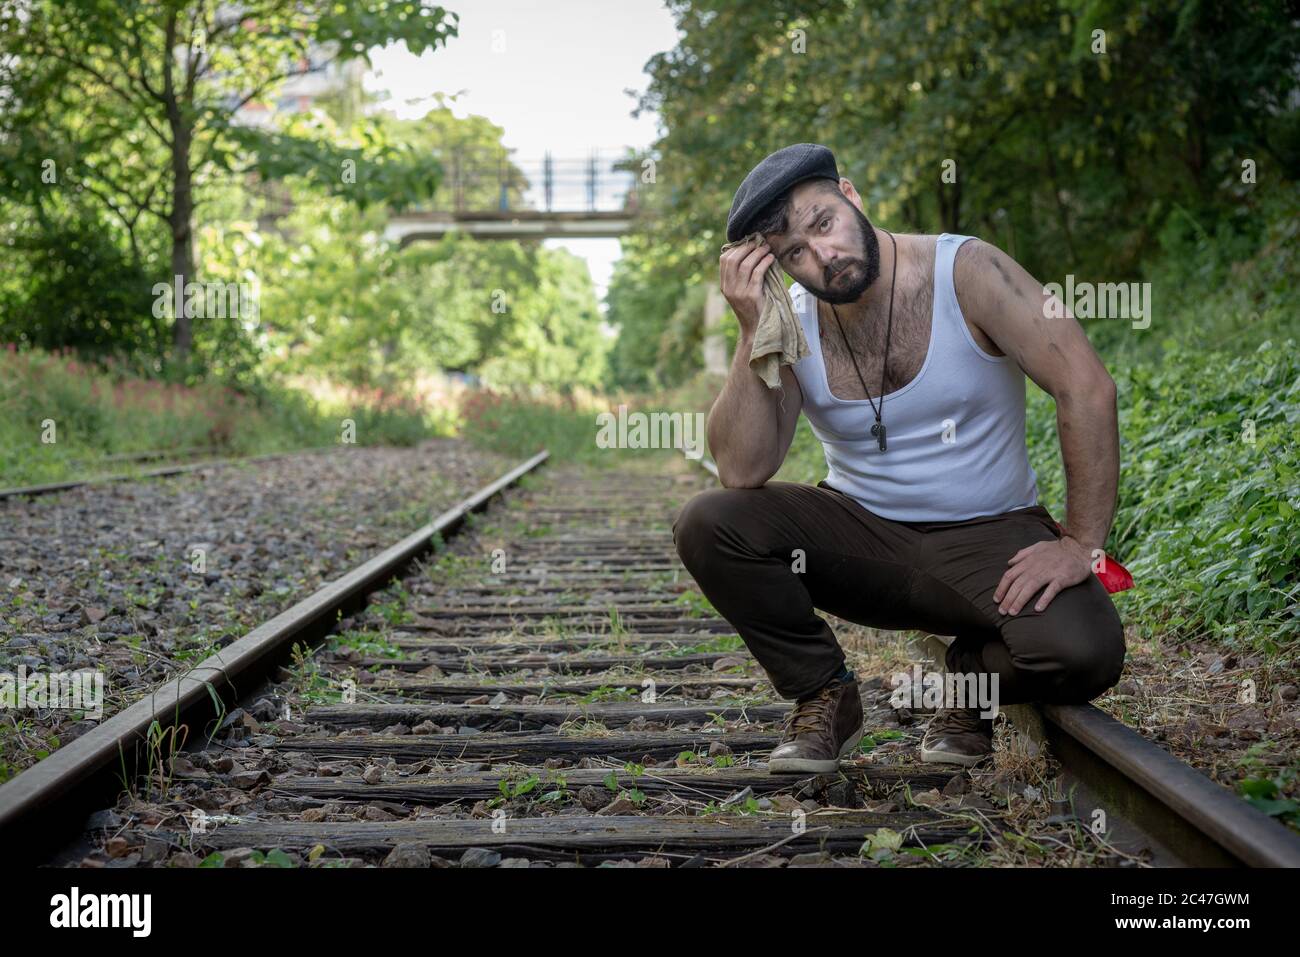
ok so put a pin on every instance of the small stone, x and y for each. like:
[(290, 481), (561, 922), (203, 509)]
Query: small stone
[(786, 803), (717, 748), (372, 775), (810, 859), (154, 851), (237, 856), (592, 797), (264, 710), (246, 780), (620, 805), (407, 854), (183, 767), (105, 820), (957, 784), (927, 798), (722, 664), (92, 615), (425, 727), (479, 857)]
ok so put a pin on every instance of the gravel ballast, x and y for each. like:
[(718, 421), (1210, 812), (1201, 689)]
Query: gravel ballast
[(141, 580)]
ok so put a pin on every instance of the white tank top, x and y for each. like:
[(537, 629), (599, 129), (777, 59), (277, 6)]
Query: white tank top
[(955, 433)]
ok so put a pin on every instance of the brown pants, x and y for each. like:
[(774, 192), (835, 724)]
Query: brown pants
[(938, 577)]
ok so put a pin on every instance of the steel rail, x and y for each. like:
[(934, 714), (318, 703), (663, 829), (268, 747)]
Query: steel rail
[(49, 800), (162, 471)]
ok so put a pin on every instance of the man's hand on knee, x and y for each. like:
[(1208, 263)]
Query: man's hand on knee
[(1056, 564)]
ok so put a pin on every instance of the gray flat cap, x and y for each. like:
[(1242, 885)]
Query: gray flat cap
[(770, 178)]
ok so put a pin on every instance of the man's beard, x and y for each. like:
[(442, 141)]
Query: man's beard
[(841, 288)]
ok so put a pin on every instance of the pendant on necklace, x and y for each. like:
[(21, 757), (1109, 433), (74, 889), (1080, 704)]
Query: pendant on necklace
[(878, 430)]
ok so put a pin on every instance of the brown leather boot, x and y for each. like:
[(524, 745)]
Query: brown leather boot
[(820, 731), (957, 736)]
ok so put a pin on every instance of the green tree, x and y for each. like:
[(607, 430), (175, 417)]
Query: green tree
[(134, 101), (1074, 150)]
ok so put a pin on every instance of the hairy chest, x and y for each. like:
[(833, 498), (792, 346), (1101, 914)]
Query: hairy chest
[(909, 341)]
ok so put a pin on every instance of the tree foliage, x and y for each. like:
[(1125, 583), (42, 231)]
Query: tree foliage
[(1077, 130), (134, 103)]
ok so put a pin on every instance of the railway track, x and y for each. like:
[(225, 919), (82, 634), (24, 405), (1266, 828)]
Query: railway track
[(182, 461), (549, 689)]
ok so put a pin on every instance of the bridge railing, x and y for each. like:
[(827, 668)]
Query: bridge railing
[(485, 181)]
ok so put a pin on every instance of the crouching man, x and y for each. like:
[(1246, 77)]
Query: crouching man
[(928, 517)]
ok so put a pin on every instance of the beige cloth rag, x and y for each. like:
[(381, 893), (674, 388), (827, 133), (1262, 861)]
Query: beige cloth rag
[(778, 338)]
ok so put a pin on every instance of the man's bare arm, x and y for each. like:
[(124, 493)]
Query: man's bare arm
[(750, 426), (1007, 304)]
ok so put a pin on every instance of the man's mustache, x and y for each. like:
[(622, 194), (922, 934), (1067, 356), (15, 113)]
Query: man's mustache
[(831, 275)]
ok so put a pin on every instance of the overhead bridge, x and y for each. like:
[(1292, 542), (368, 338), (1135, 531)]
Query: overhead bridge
[(490, 195)]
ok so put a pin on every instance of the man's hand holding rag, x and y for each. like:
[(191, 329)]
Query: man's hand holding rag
[(752, 283)]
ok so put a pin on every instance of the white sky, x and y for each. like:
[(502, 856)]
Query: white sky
[(551, 73)]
